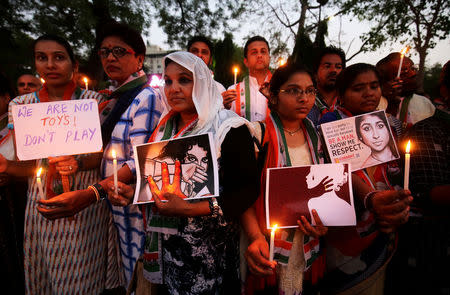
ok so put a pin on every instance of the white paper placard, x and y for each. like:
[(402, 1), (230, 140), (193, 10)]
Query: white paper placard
[(56, 128)]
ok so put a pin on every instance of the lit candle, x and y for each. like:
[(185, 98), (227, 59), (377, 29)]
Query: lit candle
[(281, 62), (272, 241), (115, 170), (402, 55), (235, 70), (39, 183), (407, 158), (85, 79), (42, 81)]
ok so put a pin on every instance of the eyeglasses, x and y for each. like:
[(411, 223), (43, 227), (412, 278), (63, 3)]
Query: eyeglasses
[(117, 52), (297, 92)]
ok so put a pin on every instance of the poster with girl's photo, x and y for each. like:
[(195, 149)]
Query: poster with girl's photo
[(186, 166), (292, 192), (363, 141)]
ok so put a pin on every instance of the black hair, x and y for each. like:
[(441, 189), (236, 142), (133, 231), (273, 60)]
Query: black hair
[(254, 39), (177, 150), (125, 33), (60, 40), (282, 74), (348, 75), (202, 39), (5, 86), (329, 50), (359, 119)]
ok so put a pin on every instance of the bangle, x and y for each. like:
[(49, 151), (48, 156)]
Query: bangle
[(214, 207), (97, 196), (101, 192), (368, 200)]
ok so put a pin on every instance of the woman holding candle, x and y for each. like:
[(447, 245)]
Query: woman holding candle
[(55, 250), (290, 140), (201, 255), (135, 110), (357, 256)]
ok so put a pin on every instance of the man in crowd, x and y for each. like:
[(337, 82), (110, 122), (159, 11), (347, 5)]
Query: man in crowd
[(244, 98), (403, 102), (329, 63), (28, 83), (203, 48)]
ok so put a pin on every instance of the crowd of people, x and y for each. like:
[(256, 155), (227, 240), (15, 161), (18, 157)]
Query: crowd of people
[(92, 239)]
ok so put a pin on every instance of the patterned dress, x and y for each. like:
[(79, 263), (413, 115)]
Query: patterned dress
[(64, 256)]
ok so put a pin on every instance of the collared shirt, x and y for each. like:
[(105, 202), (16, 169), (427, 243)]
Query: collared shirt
[(320, 108), (258, 102)]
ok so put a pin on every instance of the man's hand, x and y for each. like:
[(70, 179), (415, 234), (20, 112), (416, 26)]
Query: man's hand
[(228, 97), (391, 208)]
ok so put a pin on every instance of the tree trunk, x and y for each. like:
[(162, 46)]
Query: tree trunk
[(421, 73)]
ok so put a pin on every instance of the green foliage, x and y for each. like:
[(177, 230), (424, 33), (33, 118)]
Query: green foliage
[(227, 55), (76, 20), (181, 20)]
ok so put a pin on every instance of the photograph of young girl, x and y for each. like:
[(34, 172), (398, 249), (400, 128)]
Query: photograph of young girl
[(292, 192), (157, 166)]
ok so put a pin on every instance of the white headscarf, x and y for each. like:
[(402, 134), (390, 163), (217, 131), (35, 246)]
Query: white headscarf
[(212, 116)]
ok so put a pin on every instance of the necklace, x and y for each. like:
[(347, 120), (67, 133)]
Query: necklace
[(291, 133)]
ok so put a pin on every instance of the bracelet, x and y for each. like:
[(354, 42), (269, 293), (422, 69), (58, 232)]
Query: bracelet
[(214, 207), (103, 195), (367, 200), (97, 196)]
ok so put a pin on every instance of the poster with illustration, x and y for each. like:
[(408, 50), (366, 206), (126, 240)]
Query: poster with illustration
[(295, 191), (363, 141), (157, 170)]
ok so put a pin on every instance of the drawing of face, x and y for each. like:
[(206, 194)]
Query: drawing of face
[(374, 132), (198, 156)]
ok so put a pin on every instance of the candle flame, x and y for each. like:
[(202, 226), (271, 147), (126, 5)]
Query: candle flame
[(113, 154), (38, 174), (282, 62), (42, 81), (274, 228), (235, 70), (85, 79), (408, 146), (404, 50)]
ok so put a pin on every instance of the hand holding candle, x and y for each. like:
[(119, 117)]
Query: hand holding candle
[(407, 160), (85, 79), (272, 242), (39, 183), (115, 170), (402, 55), (235, 70)]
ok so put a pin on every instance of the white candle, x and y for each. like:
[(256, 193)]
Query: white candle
[(39, 183), (402, 55), (115, 170), (42, 81), (85, 79), (407, 158), (272, 242), (236, 70)]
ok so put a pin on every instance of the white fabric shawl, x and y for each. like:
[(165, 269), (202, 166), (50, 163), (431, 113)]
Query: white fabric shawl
[(212, 116)]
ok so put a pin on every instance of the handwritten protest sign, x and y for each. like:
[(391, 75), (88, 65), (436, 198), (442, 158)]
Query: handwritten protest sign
[(56, 128), (363, 141)]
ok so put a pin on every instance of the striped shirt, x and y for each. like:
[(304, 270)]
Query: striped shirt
[(134, 127)]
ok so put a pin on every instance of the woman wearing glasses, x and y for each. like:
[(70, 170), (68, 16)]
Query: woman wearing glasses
[(134, 111), (63, 255), (289, 140)]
